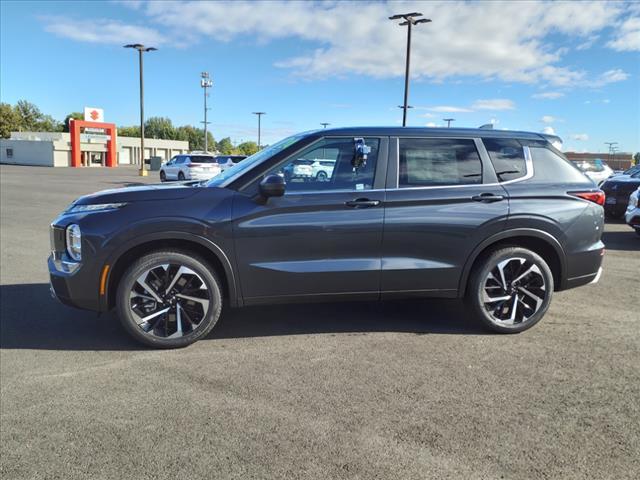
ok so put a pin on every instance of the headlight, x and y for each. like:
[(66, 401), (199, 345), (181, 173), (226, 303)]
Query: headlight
[(74, 242), (95, 208)]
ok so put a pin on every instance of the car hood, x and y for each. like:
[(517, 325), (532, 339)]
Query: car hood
[(161, 191)]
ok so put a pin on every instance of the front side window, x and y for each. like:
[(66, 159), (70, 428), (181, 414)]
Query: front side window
[(507, 156), (327, 165), (426, 162)]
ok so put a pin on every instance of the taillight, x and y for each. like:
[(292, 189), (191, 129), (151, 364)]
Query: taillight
[(193, 165), (595, 197)]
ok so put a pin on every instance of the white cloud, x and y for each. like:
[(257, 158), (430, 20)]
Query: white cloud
[(549, 130), (494, 104), (548, 119), (547, 95), (610, 76), (431, 124), (449, 109), (581, 137), (485, 46), (627, 37), (587, 44), (102, 31)]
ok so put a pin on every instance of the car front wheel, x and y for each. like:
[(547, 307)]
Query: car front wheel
[(163, 176), (169, 299), (510, 289)]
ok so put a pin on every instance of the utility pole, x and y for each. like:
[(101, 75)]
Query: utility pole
[(409, 21), (449, 120), (141, 49), (259, 114), (611, 146), (325, 124), (205, 82)]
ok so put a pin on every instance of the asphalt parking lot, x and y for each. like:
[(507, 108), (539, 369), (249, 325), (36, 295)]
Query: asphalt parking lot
[(347, 390)]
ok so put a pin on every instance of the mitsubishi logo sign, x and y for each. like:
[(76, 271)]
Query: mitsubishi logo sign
[(92, 114)]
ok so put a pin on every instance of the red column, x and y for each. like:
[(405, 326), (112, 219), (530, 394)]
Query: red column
[(76, 151), (112, 159)]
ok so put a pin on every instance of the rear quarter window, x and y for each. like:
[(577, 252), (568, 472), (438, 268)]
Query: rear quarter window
[(548, 166), (507, 157)]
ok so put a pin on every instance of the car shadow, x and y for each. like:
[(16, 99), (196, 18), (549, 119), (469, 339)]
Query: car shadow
[(31, 319), (625, 240)]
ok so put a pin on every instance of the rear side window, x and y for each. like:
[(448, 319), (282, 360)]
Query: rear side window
[(548, 166), (426, 162), (507, 157)]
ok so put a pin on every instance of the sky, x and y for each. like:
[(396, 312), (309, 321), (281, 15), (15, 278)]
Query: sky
[(569, 68)]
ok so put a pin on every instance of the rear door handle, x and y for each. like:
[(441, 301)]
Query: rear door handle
[(487, 198), (362, 203)]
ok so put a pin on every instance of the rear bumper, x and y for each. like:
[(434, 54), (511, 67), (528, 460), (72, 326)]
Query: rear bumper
[(584, 267)]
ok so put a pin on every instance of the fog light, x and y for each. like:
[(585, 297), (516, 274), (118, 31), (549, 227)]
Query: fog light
[(74, 242)]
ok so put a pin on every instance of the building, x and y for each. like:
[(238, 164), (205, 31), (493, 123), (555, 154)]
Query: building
[(54, 149), (619, 161)]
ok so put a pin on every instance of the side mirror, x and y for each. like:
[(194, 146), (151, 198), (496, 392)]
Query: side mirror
[(360, 154), (272, 186)]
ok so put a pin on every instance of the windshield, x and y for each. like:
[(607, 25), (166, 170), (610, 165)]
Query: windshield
[(248, 163)]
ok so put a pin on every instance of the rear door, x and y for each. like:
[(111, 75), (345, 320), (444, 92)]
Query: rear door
[(442, 200), (323, 237)]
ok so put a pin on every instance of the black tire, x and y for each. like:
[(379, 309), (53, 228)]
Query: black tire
[(205, 276), (163, 176), (321, 176), (181, 176), (481, 283), (637, 231)]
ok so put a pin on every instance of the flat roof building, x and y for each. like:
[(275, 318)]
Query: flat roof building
[(53, 149)]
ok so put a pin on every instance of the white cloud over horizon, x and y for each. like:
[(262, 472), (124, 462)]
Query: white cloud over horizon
[(489, 49)]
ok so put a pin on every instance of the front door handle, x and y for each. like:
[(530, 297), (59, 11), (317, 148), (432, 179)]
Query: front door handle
[(362, 203), (487, 198)]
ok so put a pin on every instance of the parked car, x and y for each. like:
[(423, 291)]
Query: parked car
[(618, 189), (191, 166), (300, 169), (632, 215), (227, 161), (598, 171), (322, 169), (499, 218)]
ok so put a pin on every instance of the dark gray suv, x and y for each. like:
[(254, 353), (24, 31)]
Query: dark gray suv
[(500, 218)]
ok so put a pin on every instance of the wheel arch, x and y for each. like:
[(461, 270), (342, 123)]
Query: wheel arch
[(538, 241), (211, 252)]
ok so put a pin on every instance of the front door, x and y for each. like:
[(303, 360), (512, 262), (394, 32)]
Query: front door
[(443, 201), (323, 237)]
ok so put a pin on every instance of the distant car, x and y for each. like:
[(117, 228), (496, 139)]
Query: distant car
[(598, 171), (322, 169), (300, 169), (630, 171), (632, 216), (191, 166), (618, 190), (227, 161)]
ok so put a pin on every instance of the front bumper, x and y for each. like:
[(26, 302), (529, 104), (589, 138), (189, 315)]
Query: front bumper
[(632, 217)]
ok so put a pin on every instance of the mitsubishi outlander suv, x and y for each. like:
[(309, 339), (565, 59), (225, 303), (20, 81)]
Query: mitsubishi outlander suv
[(498, 218)]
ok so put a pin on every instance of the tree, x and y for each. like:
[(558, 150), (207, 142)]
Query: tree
[(129, 132), (225, 147), (159, 127), (636, 158), (32, 119), (9, 120), (247, 148), (72, 115)]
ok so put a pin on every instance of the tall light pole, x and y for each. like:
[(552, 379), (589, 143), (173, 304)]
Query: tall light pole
[(449, 120), (259, 114), (325, 124), (141, 49), (611, 146), (409, 21), (205, 82)]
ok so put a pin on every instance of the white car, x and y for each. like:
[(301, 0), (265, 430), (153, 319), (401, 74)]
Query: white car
[(598, 171), (322, 169), (190, 166), (632, 215), (227, 161)]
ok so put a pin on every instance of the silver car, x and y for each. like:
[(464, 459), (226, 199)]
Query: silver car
[(632, 215), (190, 166)]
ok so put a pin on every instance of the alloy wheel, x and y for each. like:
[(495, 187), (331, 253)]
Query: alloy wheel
[(169, 301), (513, 291)]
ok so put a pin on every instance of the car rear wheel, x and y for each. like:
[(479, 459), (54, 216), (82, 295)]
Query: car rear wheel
[(169, 299), (181, 176), (163, 176), (321, 176), (510, 289)]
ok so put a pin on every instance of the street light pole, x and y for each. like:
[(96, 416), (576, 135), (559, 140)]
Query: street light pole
[(325, 124), (409, 21), (449, 120), (611, 146), (205, 82), (141, 49), (259, 114)]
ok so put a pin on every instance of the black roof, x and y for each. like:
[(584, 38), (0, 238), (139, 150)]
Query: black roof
[(430, 131)]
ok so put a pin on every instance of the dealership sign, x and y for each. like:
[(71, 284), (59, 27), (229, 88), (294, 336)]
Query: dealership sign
[(93, 114)]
